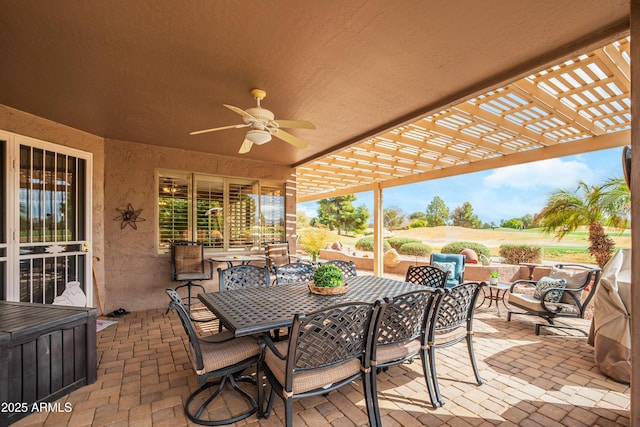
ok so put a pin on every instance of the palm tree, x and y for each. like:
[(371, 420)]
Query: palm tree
[(608, 204)]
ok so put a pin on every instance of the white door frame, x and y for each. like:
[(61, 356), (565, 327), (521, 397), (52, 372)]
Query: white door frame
[(12, 191)]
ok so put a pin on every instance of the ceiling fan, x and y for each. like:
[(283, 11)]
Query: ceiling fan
[(262, 125)]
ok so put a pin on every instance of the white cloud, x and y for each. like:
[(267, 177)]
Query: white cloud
[(552, 173)]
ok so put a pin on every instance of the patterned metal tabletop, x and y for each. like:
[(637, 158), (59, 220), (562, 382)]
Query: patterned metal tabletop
[(237, 259), (252, 310)]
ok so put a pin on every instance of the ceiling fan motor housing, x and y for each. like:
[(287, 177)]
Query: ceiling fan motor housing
[(264, 118)]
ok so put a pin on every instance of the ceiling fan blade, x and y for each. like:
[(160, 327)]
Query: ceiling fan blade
[(220, 128), (299, 124), (246, 146), (239, 111), (287, 137)]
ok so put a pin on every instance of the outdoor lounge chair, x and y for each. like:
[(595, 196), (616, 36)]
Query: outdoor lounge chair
[(453, 264), (566, 292)]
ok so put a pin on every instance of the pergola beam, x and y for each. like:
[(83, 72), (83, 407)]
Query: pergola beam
[(596, 143)]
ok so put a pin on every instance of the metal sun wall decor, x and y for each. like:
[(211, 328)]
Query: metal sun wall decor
[(129, 216)]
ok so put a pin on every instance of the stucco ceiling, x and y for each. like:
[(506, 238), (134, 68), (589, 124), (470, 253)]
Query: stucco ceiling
[(152, 71)]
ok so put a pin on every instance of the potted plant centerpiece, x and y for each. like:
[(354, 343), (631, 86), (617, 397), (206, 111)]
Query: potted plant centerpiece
[(493, 278), (328, 280)]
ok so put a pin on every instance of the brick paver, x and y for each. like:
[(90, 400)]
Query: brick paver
[(145, 376)]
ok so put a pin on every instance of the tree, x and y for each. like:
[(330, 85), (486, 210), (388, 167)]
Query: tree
[(360, 219), (302, 220), (463, 216), (392, 218), (339, 213), (418, 216), (437, 213), (595, 206), (528, 221), (511, 223)]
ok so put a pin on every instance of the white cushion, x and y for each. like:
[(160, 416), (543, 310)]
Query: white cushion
[(574, 278)]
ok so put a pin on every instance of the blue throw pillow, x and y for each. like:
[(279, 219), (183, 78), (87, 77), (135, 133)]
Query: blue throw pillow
[(448, 267), (547, 283)]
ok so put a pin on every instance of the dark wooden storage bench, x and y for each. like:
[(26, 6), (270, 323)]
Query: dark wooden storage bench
[(46, 351)]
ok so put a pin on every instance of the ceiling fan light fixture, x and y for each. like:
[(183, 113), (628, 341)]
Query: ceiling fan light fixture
[(258, 137)]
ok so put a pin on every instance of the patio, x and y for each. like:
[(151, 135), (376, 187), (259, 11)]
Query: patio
[(118, 87), (144, 376)]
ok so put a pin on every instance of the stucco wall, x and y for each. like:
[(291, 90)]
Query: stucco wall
[(129, 272), (136, 274), (22, 123)]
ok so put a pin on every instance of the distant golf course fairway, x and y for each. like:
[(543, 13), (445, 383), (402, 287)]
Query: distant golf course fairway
[(572, 248)]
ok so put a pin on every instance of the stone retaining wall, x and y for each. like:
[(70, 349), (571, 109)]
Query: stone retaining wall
[(473, 272)]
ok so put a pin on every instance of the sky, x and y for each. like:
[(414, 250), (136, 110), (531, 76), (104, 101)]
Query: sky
[(498, 194)]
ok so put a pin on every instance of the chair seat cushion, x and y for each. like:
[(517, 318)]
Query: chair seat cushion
[(313, 379), (530, 303), (546, 283), (191, 276), (223, 354), (396, 351)]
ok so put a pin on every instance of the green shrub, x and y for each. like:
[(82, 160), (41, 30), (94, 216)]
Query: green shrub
[(328, 276), (417, 223), (366, 244), (515, 254), (456, 247), (415, 249), (397, 242)]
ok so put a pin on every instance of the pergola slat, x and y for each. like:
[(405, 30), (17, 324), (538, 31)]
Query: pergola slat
[(572, 107)]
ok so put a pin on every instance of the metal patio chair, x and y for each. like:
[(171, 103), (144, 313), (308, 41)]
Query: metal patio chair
[(400, 336), (451, 323), (426, 275), (220, 356), (327, 350)]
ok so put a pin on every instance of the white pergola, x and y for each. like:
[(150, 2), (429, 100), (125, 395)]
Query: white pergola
[(580, 105)]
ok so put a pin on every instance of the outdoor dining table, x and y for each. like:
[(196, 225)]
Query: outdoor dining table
[(241, 259), (249, 311)]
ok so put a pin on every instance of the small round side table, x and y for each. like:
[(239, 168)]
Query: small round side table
[(495, 295)]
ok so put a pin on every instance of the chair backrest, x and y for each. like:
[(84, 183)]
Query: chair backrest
[(186, 258), (294, 272), (577, 278), (243, 276), (454, 309), (426, 275), (277, 254), (177, 304), (328, 337), (456, 271), (403, 318), (348, 267)]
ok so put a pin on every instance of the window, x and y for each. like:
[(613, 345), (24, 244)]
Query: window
[(226, 214)]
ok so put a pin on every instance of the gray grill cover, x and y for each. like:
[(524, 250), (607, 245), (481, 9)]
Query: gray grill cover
[(611, 326)]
